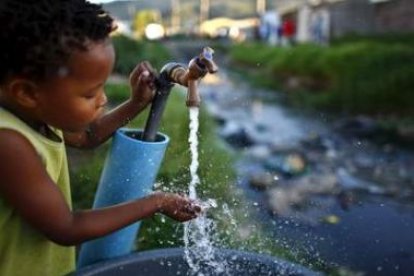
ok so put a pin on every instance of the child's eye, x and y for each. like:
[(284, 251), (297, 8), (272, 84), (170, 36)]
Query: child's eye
[(89, 96)]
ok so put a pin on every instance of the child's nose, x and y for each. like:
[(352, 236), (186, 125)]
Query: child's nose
[(102, 100)]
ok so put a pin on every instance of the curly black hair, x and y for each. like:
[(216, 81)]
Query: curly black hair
[(37, 37)]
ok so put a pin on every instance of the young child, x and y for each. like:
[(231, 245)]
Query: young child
[(55, 56)]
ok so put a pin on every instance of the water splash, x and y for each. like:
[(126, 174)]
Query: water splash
[(199, 246), (229, 214)]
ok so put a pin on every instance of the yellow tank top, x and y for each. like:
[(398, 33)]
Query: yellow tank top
[(23, 250)]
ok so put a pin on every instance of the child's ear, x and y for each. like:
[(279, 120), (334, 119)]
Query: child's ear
[(24, 91)]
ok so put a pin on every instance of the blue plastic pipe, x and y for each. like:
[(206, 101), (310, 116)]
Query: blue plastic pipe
[(130, 170)]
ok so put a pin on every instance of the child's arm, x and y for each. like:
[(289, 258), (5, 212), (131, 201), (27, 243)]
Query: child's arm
[(142, 85), (26, 186)]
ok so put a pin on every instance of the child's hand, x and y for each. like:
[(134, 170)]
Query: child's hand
[(177, 207), (141, 80)]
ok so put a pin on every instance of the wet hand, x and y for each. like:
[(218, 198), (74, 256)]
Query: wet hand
[(142, 84), (177, 207)]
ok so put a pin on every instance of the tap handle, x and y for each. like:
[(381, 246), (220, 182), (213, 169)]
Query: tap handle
[(206, 58)]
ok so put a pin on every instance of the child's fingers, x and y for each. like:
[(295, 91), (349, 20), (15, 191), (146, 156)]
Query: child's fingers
[(148, 67), (144, 75), (140, 69), (145, 79), (184, 216), (195, 207), (152, 74), (189, 204), (192, 209), (136, 73)]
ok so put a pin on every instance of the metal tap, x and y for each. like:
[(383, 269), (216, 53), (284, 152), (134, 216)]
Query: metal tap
[(189, 76)]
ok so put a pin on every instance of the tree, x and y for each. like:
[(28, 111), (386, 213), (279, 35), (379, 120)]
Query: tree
[(142, 19)]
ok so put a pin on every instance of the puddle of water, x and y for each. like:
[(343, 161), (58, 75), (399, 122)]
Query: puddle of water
[(374, 236)]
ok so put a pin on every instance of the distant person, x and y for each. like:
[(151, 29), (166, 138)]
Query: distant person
[(288, 31), (269, 23), (55, 58), (320, 27), (264, 31), (317, 25)]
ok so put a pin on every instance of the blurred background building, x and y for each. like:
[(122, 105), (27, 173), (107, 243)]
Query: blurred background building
[(320, 19), (276, 21)]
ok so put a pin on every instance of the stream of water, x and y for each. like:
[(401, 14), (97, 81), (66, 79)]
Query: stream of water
[(199, 248)]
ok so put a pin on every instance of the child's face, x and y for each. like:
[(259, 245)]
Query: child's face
[(76, 97)]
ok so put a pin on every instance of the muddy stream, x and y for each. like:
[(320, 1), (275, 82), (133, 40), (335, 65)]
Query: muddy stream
[(319, 185)]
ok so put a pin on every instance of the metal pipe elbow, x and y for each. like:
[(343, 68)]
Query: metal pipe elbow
[(174, 72)]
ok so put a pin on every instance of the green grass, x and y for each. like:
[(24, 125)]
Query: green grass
[(388, 38), (129, 52), (362, 76)]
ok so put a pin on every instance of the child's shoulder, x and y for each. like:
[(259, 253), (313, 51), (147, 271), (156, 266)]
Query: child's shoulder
[(10, 121)]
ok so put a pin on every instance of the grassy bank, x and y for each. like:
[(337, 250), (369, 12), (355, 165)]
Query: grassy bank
[(352, 76)]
